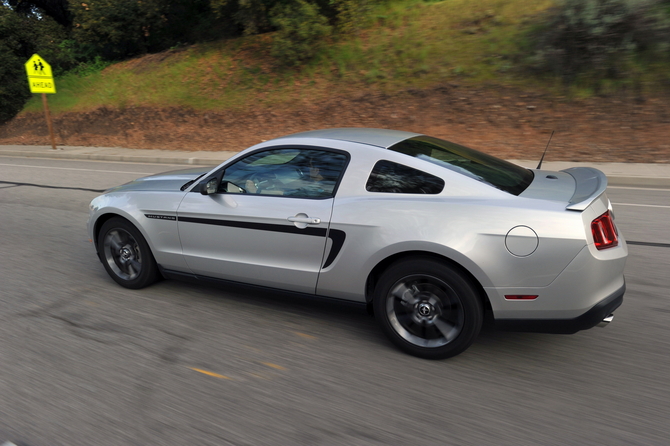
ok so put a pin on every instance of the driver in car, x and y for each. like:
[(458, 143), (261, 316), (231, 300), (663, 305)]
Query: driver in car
[(311, 185)]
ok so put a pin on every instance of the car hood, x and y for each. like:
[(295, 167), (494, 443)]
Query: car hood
[(167, 181)]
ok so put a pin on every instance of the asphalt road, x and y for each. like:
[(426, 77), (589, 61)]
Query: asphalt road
[(86, 362)]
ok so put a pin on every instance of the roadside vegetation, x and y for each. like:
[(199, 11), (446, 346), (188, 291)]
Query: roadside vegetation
[(230, 54)]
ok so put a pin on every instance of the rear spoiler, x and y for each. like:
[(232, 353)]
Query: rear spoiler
[(590, 183)]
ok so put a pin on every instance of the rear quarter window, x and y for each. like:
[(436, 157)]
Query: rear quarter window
[(394, 178)]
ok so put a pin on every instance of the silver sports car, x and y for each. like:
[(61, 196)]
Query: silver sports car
[(429, 234)]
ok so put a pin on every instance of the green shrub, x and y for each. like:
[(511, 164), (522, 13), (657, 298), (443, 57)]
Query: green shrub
[(350, 14), (600, 37), (248, 16), (14, 90), (301, 31)]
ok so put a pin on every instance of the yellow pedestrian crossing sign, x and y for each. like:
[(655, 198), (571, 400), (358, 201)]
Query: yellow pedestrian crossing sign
[(40, 78)]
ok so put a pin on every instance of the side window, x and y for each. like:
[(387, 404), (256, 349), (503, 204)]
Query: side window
[(287, 172), (395, 178)]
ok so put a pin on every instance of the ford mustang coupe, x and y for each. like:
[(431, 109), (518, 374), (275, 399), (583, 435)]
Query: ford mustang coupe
[(429, 234)]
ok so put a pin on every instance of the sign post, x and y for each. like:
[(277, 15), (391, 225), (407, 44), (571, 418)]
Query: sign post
[(41, 80)]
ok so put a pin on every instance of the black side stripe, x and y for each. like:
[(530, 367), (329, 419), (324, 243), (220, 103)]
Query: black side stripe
[(338, 238), (287, 229), (335, 235)]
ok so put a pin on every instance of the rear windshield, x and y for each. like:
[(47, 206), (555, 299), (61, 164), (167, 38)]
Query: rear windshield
[(469, 162)]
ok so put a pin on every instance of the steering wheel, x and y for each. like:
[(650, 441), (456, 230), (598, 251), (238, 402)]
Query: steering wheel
[(263, 181), (299, 171)]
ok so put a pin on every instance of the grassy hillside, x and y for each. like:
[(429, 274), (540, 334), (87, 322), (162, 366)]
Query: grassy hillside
[(406, 44), (452, 69)]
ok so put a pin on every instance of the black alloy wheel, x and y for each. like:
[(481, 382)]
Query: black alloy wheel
[(428, 308), (125, 254)]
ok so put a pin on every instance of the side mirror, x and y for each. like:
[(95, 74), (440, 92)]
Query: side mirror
[(209, 186)]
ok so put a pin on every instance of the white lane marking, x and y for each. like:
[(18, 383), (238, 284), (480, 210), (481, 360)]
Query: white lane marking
[(637, 188), (74, 168), (642, 205)]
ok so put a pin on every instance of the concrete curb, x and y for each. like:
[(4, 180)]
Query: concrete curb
[(116, 158), (638, 181), (618, 174), (117, 154)]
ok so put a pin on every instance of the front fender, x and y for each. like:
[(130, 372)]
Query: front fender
[(154, 214)]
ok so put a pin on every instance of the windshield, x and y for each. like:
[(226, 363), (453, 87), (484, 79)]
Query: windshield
[(469, 162)]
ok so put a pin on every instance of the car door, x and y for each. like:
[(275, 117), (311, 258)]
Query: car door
[(267, 224)]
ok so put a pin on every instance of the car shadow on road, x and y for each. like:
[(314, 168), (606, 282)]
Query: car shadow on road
[(354, 316)]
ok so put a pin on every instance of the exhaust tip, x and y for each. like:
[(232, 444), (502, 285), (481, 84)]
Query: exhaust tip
[(606, 321)]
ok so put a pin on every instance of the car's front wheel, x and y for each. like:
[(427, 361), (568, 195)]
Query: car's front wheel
[(125, 254), (428, 308)]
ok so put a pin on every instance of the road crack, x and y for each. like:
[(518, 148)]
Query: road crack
[(45, 186)]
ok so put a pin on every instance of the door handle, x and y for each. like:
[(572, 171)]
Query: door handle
[(307, 220)]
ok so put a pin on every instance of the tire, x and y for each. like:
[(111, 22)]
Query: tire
[(427, 308), (125, 254)]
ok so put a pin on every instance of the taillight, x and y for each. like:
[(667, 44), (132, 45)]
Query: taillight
[(604, 232)]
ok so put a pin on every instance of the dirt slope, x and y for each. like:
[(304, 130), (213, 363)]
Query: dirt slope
[(504, 122)]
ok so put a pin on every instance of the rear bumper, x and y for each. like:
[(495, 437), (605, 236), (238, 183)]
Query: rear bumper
[(589, 319)]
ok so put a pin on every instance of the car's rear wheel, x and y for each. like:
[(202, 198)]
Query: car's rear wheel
[(125, 254), (428, 308)]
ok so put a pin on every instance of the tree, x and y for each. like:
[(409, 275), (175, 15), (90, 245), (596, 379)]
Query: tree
[(118, 29), (14, 90), (20, 37), (59, 10)]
